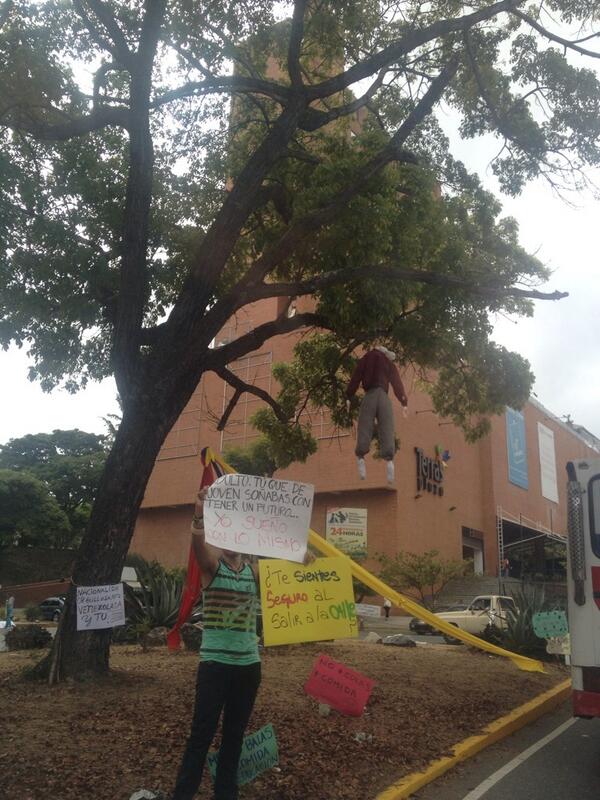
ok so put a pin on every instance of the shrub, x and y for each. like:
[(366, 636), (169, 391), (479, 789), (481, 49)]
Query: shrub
[(28, 637), (156, 603), (124, 634), (32, 612), (518, 635)]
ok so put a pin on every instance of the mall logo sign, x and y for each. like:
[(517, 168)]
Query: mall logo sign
[(430, 474)]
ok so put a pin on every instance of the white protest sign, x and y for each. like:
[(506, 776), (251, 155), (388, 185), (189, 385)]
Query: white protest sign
[(262, 516), (100, 607), (367, 610)]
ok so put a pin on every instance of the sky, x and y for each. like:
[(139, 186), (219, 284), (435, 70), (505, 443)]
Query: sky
[(560, 341)]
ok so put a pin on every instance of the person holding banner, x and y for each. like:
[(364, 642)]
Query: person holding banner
[(229, 672)]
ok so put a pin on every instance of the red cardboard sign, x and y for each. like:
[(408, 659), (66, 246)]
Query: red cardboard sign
[(339, 686)]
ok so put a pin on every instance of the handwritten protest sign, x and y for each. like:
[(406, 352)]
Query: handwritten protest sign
[(100, 607), (367, 610), (262, 516), (259, 753), (339, 686), (307, 603)]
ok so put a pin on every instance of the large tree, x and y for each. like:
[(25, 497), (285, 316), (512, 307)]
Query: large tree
[(124, 250), (69, 463), (29, 514)]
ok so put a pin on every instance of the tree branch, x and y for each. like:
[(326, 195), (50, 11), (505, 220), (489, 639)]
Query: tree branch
[(314, 118), (19, 119), (295, 43), (255, 339), (133, 287), (394, 274), (110, 24), (232, 84), (240, 387), (223, 234), (396, 50), (229, 410), (553, 37)]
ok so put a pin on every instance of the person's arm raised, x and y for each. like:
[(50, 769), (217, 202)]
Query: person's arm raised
[(206, 555)]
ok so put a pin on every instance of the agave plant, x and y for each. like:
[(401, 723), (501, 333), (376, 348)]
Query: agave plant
[(156, 603), (519, 635)]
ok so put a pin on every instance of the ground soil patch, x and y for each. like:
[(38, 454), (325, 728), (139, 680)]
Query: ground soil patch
[(102, 741)]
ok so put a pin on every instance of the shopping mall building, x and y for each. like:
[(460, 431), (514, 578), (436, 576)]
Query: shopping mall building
[(502, 497)]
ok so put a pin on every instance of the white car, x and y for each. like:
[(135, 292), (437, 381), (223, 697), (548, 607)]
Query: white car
[(484, 610)]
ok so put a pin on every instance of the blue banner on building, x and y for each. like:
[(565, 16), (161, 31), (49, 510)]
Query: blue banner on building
[(516, 445)]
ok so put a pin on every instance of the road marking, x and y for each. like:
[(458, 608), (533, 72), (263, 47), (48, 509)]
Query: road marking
[(497, 776)]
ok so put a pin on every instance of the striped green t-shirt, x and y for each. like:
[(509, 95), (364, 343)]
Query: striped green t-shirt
[(230, 603)]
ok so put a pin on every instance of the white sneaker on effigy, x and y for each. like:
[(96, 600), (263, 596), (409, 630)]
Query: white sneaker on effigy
[(362, 468), (389, 471)]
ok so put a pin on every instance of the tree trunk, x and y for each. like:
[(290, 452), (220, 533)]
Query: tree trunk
[(81, 654)]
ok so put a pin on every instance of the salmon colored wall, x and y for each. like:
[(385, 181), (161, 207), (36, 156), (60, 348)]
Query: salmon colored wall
[(164, 534)]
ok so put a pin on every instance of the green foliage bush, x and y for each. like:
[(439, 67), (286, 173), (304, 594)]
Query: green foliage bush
[(32, 612), (28, 637)]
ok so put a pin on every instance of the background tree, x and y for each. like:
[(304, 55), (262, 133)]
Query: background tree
[(361, 590), (123, 250), (255, 458), (69, 463), (426, 573), (29, 514)]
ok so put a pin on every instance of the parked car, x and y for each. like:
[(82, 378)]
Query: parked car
[(484, 610), (51, 608), (421, 627)]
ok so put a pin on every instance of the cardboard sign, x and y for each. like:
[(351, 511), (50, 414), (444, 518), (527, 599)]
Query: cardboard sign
[(550, 624), (559, 645), (100, 607), (346, 529), (367, 610), (307, 603), (261, 516), (259, 753), (339, 686)]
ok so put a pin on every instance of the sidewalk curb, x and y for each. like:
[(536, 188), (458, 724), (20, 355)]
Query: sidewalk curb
[(494, 732)]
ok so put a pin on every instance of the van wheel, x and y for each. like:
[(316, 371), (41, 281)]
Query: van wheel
[(450, 639)]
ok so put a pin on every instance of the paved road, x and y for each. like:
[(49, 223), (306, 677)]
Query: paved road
[(555, 758)]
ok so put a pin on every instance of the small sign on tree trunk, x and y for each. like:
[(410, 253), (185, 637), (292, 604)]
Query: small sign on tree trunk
[(100, 607)]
